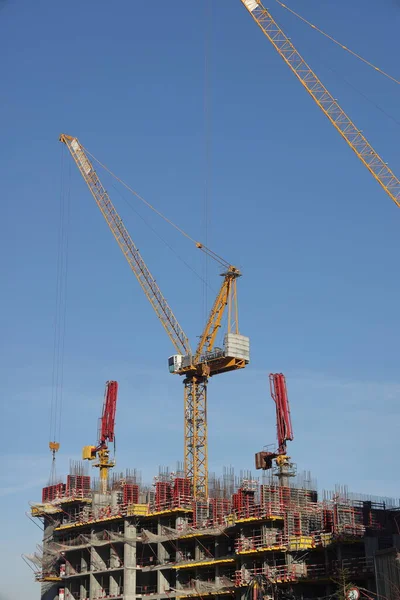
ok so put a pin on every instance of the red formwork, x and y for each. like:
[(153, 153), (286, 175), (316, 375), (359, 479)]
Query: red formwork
[(53, 492), (284, 497), (130, 494), (163, 495), (182, 492), (243, 502), (78, 486), (344, 520), (219, 508), (327, 520)]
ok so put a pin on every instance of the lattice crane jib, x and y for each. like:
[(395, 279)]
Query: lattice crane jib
[(326, 102), (128, 247), (208, 360)]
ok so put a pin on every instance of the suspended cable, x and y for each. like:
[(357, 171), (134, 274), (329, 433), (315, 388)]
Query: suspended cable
[(59, 319), (367, 62), (64, 297), (199, 245), (363, 95), (178, 256), (207, 142)]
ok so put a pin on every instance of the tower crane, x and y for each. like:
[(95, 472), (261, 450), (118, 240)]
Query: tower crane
[(264, 459), (208, 360), (106, 434), (327, 103)]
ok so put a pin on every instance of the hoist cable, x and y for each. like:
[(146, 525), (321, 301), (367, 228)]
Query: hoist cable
[(332, 39)]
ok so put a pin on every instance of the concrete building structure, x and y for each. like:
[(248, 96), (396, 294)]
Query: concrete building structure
[(157, 542)]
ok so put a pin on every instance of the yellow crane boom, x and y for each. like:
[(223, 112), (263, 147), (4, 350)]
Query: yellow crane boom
[(327, 103), (207, 360)]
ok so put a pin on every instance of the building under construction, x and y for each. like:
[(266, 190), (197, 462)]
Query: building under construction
[(190, 534), (134, 541), (269, 537)]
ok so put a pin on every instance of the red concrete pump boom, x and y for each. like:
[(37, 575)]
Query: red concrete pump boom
[(106, 434), (284, 428), (279, 395), (107, 421)]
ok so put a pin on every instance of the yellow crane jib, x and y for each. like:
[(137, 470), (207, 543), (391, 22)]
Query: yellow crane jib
[(326, 102)]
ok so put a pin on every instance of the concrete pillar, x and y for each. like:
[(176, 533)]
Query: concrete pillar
[(181, 522), (162, 558), (84, 589), (85, 567), (130, 561), (217, 552), (113, 586), (95, 588), (198, 551), (97, 560), (48, 591)]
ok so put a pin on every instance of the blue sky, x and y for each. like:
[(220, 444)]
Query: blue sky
[(288, 202)]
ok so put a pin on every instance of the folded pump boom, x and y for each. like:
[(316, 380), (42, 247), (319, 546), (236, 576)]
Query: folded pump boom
[(264, 459), (106, 434)]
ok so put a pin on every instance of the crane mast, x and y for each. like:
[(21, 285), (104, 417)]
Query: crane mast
[(326, 102), (207, 360)]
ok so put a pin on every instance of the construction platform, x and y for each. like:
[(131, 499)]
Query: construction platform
[(156, 541)]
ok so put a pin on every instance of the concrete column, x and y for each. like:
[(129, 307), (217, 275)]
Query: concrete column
[(115, 560), (162, 557), (94, 587), (113, 586), (85, 567), (130, 561), (97, 561), (84, 590), (48, 591), (181, 522), (198, 551)]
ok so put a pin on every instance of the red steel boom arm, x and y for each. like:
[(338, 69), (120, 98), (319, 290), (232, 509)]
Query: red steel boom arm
[(279, 395), (284, 429), (107, 420)]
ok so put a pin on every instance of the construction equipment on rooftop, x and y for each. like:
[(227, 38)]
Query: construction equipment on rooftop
[(207, 360), (264, 459), (106, 434), (327, 103)]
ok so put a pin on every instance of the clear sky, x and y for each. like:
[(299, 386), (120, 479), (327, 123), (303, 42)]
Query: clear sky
[(288, 202)]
